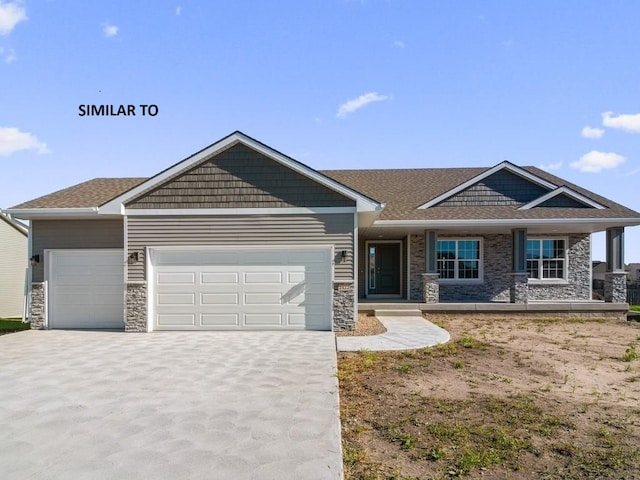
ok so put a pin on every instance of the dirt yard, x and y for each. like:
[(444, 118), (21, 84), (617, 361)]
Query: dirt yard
[(505, 399)]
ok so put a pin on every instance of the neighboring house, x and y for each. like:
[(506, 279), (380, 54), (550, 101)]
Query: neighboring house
[(598, 270), (13, 265), (634, 272), (239, 236)]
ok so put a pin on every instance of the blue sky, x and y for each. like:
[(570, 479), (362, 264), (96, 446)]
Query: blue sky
[(332, 83)]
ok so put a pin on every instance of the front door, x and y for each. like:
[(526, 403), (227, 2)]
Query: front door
[(383, 277)]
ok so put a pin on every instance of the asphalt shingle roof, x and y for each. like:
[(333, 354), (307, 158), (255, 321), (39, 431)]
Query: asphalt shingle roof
[(92, 193), (402, 190)]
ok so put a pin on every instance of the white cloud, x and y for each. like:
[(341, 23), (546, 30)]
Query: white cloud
[(357, 103), (13, 140), (591, 132), (627, 122), (551, 166), (399, 44), (8, 55), (11, 13), (109, 30), (595, 161), (178, 10)]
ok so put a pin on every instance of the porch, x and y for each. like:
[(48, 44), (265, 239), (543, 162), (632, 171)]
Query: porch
[(453, 269), (541, 309)]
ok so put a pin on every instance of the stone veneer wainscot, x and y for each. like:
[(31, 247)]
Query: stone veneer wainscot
[(343, 306), (498, 276)]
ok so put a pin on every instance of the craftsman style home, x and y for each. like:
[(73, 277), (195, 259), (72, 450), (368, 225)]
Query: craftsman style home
[(240, 236)]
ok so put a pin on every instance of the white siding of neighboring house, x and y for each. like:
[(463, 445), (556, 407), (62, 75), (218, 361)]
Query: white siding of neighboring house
[(13, 264)]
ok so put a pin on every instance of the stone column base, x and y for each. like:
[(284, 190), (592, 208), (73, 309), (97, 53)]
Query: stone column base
[(519, 290), (136, 305), (343, 306), (615, 287), (430, 288), (37, 309)]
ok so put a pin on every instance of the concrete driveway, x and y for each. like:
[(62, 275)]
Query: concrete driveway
[(174, 405)]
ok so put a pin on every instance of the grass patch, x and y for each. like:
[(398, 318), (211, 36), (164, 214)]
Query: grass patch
[(10, 325), (634, 308), (630, 354)]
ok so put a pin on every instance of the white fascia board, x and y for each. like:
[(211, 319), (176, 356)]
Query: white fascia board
[(43, 213), (116, 205), (560, 191), (501, 166), (236, 211), (515, 222)]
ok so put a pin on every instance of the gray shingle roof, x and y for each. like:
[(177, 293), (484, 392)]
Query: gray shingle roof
[(402, 190), (92, 193)]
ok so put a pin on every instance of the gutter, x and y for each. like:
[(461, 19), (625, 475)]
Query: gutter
[(504, 222), (35, 213)]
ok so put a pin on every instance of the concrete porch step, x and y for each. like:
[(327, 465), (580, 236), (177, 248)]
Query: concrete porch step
[(398, 312)]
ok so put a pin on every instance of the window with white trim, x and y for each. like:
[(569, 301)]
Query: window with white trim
[(547, 258), (458, 259)]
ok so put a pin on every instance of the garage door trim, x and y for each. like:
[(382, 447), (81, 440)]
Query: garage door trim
[(152, 253)]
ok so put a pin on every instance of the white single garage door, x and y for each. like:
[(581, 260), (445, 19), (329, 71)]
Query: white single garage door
[(234, 289), (86, 288)]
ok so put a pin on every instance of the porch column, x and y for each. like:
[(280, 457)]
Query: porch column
[(519, 291), (615, 279), (430, 284)]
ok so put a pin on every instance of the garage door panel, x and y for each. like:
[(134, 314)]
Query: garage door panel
[(219, 299), (296, 319), (176, 299), (219, 278), (263, 289), (176, 278), (308, 299), (251, 278), (220, 319), (296, 277), (178, 319), (262, 298), (263, 320)]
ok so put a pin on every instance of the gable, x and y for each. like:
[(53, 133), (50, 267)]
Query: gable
[(501, 188), (563, 201), (240, 177)]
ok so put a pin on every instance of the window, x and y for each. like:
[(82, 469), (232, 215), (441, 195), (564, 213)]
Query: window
[(546, 258), (458, 259)]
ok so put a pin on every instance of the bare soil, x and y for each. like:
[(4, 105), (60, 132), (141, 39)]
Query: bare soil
[(505, 399)]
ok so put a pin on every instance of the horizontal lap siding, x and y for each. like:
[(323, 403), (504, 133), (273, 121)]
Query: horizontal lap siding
[(73, 234), (13, 262), (325, 229)]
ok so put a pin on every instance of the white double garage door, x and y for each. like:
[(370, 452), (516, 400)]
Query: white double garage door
[(197, 288)]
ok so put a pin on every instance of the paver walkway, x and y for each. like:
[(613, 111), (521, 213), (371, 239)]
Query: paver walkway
[(169, 405), (403, 333)]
